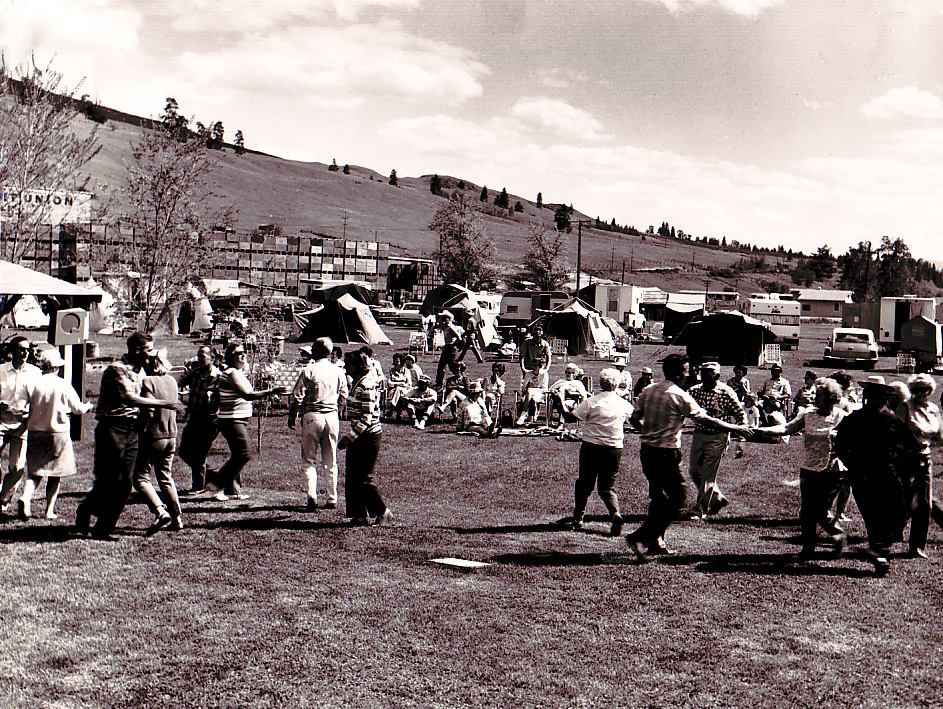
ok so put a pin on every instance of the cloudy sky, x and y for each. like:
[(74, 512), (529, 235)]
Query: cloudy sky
[(796, 122)]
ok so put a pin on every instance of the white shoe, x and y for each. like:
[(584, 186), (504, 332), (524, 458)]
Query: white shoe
[(420, 425)]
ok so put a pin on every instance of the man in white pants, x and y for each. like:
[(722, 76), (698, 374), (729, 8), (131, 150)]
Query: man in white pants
[(320, 390)]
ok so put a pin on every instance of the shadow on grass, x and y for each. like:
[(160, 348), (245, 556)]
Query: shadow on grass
[(271, 523), (561, 525), (37, 534), (757, 564)]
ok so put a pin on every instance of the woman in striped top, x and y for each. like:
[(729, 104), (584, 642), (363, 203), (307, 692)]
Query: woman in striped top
[(235, 409), (363, 444)]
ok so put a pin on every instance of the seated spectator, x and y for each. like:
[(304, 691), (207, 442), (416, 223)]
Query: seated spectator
[(624, 388), (375, 367), (805, 397), (495, 387), (534, 390), (455, 391), (415, 371), (400, 381), (473, 414), (418, 402), (567, 393)]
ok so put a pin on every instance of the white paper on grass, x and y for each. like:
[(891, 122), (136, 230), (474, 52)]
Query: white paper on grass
[(460, 563)]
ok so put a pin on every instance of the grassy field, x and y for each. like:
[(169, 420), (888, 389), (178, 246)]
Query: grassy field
[(258, 604)]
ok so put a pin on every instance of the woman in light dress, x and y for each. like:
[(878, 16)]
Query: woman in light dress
[(49, 452)]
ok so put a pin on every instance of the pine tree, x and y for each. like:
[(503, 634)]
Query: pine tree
[(484, 194), (540, 200), (393, 180)]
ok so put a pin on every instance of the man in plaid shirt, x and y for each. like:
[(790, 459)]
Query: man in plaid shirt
[(709, 443)]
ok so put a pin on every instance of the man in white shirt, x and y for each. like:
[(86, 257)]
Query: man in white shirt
[(320, 390), (17, 378), (473, 416), (603, 418)]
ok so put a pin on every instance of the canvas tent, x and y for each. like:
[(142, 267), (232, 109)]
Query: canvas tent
[(732, 337), (17, 281), (581, 325), (357, 291), (464, 303), (343, 320)]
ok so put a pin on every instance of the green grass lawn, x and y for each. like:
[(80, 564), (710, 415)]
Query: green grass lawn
[(259, 604)]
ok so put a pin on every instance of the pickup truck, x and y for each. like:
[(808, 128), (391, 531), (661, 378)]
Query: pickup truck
[(853, 344)]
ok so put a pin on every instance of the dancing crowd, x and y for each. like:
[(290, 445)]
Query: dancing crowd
[(877, 448)]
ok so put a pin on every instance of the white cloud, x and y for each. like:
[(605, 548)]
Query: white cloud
[(565, 120), (746, 8), (905, 102), (252, 16), (339, 66)]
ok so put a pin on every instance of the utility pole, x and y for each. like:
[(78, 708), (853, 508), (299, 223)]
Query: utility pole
[(612, 260), (622, 280), (579, 251)]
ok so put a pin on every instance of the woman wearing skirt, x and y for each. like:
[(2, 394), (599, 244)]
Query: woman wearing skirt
[(49, 452)]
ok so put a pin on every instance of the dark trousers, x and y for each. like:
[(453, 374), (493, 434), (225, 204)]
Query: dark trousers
[(662, 468), (817, 489), (116, 450), (882, 503), (196, 441), (229, 476), (449, 358), (362, 493), (599, 465)]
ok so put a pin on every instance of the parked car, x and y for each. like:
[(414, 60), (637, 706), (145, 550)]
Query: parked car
[(409, 314), (385, 311), (853, 344)]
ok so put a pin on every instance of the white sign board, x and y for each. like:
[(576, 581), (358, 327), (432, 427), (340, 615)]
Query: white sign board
[(53, 207)]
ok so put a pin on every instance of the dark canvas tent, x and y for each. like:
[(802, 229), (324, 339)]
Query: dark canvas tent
[(581, 325), (343, 320), (732, 337), (677, 317), (323, 295)]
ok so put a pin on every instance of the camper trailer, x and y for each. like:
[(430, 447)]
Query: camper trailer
[(895, 311), (518, 308), (619, 302), (781, 315)]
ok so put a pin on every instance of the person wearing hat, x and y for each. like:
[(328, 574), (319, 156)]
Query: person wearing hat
[(645, 377), (709, 443), (625, 377), (16, 378), (776, 389), (473, 414), (157, 444), (872, 442), (660, 411), (49, 452), (925, 421), (452, 335), (568, 393), (418, 402), (319, 393)]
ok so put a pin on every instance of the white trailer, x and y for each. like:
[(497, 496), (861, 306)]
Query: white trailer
[(782, 316), (895, 311)]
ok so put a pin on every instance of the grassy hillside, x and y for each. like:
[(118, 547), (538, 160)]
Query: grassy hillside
[(308, 198)]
